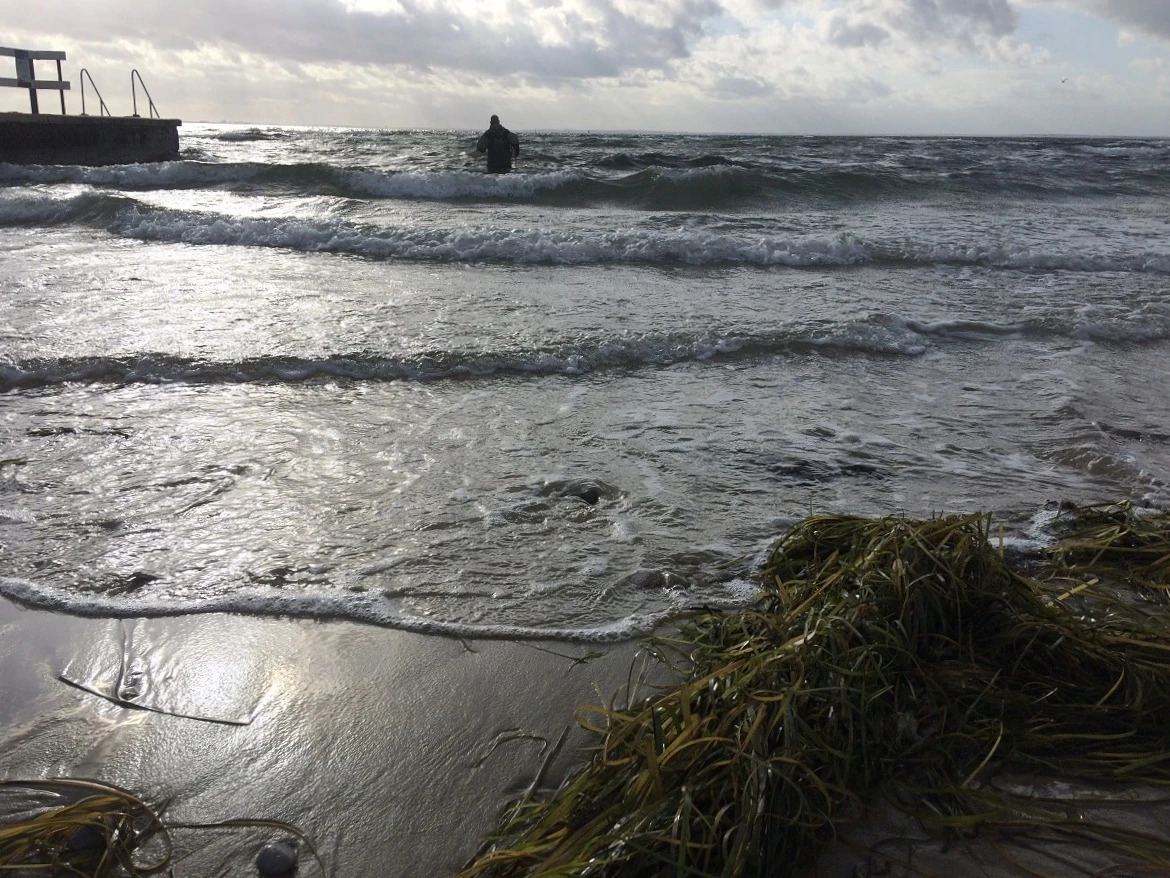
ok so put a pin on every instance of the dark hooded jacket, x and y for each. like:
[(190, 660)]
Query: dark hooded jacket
[(501, 146)]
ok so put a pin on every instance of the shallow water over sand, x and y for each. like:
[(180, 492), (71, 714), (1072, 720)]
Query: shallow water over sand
[(344, 373)]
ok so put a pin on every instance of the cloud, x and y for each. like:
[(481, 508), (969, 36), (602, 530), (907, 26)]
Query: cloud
[(968, 25), (1151, 65), (846, 35), (739, 87), (541, 39), (958, 20), (1150, 17), (786, 65)]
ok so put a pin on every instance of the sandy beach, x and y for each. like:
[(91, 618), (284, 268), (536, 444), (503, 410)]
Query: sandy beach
[(394, 752)]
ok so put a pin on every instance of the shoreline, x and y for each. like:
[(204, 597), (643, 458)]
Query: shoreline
[(394, 752), (399, 753)]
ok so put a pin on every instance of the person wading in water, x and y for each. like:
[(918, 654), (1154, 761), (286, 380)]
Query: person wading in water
[(501, 146)]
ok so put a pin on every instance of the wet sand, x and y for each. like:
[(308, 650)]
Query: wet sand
[(394, 752)]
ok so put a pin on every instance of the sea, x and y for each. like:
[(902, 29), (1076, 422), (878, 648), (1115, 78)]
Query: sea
[(346, 373)]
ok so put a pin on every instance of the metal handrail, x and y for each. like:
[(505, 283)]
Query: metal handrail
[(153, 111), (102, 109)]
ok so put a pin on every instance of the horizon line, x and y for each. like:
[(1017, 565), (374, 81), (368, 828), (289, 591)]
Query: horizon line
[(693, 133)]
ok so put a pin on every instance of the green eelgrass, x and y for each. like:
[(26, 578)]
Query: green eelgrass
[(1114, 540), (877, 650), (104, 831), (101, 833)]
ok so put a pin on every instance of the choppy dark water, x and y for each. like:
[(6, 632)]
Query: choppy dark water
[(345, 372)]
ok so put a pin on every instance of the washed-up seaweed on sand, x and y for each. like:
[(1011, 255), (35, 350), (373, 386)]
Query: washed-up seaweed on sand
[(878, 651), (67, 826), (86, 829)]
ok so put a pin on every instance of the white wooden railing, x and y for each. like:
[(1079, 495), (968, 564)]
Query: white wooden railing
[(26, 75)]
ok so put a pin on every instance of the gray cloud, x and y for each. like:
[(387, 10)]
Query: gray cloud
[(855, 36), (960, 23), (1146, 16), (1150, 16), (958, 20), (600, 41)]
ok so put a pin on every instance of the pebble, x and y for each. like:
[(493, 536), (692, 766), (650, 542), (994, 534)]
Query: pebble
[(590, 495), (278, 858), (87, 837)]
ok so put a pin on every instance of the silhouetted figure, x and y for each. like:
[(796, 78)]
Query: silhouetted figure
[(501, 146)]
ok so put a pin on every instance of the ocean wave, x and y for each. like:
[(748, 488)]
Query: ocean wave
[(705, 186), (871, 337), (1125, 149), (967, 330), (250, 135), (700, 188), (442, 185), (697, 186), (727, 184), (656, 181), (695, 246), (627, 161), (690, 244), (309, 177), (370, 607), (728, 242), (303, 178), (1124, 332), (1139, 327), (1027, 258), (27, 207), (875, 335)]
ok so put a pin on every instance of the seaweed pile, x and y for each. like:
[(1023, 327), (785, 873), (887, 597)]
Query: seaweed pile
[(878, 651)]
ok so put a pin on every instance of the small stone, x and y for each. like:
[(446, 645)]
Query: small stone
[(86, 838), (278, 858)]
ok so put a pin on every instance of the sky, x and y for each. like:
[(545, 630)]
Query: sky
[(962, 67)]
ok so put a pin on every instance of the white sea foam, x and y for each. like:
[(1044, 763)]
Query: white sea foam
[(965, 329), (679, 175), (696, 246), (1124, 331), (16, 514), (1136, 149), (247, 135), (1056, 257), (371, 607)]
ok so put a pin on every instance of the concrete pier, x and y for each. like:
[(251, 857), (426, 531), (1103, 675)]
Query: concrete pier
[(41, 139)]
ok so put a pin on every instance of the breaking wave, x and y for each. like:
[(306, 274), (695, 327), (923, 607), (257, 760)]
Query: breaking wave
[(653, 240), (638, 244), (694, 175), (874, 336)]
